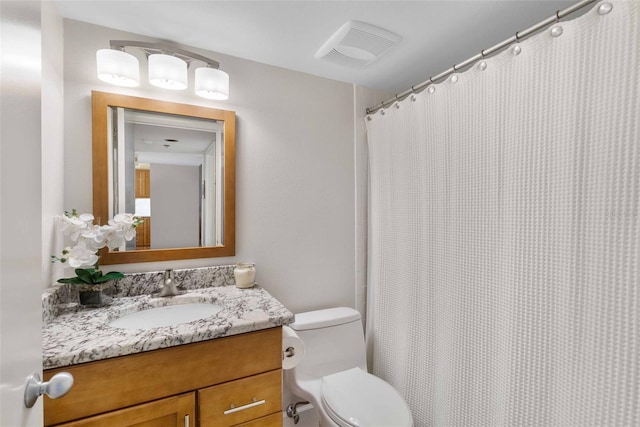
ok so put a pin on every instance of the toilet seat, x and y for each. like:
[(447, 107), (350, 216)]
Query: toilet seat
[(355, 398)]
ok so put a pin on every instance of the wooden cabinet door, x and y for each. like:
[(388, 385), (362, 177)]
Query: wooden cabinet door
[(143, 234), (176, 411), (143, 187)]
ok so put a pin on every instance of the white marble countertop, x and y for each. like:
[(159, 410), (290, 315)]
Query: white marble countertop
[(76, 336)]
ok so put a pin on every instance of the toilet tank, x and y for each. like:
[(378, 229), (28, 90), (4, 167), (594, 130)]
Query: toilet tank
[(333, 340)]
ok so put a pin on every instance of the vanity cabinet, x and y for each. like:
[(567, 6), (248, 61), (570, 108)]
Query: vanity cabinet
[(232, 381)]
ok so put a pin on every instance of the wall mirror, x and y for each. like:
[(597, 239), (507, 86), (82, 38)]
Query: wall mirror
[(171, 164)]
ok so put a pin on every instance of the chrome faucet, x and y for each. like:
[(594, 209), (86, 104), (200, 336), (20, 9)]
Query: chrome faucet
[(169, 284)]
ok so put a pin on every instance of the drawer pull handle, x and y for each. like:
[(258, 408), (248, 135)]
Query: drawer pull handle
[(243, 407), (186, 420)]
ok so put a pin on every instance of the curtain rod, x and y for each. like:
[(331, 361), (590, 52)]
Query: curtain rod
[(520, 35)]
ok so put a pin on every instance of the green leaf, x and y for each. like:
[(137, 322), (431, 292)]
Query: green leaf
[(86, 275), (112, 275), (72, 280), (91, 276)]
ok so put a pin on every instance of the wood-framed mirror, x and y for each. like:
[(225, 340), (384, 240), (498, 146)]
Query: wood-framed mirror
[(171, 164)]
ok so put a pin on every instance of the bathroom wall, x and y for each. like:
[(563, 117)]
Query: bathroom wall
[(364, 98), (175, 193), (52, 165), (296, 186)]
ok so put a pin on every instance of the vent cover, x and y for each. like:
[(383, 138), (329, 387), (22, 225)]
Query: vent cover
[(357, 44)]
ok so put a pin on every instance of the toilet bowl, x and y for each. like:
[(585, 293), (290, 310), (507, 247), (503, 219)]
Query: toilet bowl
[(333, 375)]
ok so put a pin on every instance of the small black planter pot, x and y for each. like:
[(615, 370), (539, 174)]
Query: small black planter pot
[(95, 295)]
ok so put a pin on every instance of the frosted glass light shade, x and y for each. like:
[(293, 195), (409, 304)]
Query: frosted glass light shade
[(118, 67), (212, 83), (168, 72)]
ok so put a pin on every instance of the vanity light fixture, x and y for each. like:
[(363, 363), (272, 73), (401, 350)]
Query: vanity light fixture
[(167, 68), (167, 72), (212, 83), (118, 67)]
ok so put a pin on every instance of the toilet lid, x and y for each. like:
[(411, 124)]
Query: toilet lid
[(361, 399)]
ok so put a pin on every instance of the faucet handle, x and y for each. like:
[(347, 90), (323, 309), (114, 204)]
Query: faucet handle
[(168, 284)]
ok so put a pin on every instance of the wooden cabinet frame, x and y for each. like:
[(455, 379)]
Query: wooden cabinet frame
[(121, 382)]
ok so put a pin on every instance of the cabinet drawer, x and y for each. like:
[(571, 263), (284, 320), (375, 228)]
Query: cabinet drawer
[(273, 420), (242, 400), (176, 411)]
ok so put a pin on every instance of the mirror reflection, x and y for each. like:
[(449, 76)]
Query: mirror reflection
[(169, 172), (171, 164)]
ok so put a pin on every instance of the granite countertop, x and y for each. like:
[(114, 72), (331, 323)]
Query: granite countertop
[(73, 335)]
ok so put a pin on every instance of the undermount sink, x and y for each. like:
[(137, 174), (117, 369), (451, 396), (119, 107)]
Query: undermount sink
[(169, 315)]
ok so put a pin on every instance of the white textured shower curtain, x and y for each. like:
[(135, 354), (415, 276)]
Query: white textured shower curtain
[(504, 284)]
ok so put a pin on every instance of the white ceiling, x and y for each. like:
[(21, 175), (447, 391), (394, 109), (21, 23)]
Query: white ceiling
[(436, 34), (189, 137)]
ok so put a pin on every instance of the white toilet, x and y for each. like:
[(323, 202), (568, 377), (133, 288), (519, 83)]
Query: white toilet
[(333, 376)]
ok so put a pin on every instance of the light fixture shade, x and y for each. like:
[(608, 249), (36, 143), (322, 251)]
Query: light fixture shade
[(212, 83), (118, 67), (168, 72)]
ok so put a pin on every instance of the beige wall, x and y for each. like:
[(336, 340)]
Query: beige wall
[(296, 184), (175, 193), (52, 164)]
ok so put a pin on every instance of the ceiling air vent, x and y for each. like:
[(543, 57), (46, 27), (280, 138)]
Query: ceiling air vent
[(357, 44)]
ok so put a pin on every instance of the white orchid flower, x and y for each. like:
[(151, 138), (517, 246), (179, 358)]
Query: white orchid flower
[(130, 234), (124, 218), (91, 238), (115, 242), (94, 237), (113, 236), (72, 226), (87, 218), (80, 256), (120, 230)]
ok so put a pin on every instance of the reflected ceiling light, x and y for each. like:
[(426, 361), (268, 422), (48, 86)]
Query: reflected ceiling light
[(167, 68)]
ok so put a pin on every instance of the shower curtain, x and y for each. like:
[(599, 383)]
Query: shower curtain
[(504, 283)]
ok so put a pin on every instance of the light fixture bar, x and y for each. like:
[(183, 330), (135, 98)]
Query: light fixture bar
[(151, 48), (168, 68)]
